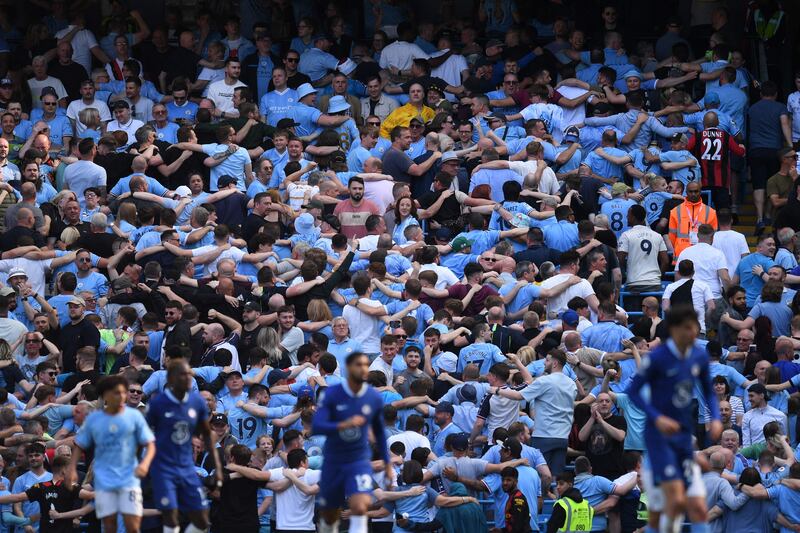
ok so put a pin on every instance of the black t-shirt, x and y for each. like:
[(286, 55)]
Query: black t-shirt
[(11, 237), (98, 243), (605, 452), (247, 340), (58, 226), (181, 63), (237, 505), (117, 166), (252, 224), (60, 497), (70, 75), (74, 336), (181, 175), (450, 209), (255, 137), (72, 381), (231, 210)]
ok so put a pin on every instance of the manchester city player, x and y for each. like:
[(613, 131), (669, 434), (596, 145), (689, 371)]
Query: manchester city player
[(344, 415), (175, 417), (671, 371), (115, 433)]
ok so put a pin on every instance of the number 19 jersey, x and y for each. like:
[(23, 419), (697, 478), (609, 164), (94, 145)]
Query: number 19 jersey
[(642, 246)]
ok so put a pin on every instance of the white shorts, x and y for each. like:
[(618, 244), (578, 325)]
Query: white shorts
[(655, 496), (126, 501)]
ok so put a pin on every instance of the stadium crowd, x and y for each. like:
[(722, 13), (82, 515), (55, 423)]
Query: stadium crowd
[(498, 208)]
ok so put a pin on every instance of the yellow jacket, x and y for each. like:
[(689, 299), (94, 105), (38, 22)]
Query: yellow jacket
[(403, 115)]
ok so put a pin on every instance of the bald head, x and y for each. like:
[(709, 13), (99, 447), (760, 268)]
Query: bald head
[(139, 164), (225, 286), (719, 459), (28, 191), (215, 331), (25, 218), (572, 341), (710, 120), (784, 348)]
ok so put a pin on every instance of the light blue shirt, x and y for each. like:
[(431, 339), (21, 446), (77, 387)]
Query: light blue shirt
[(233, 165), (482, 354), (625, 121), (595, 489), (561, 236), (115, 440), (316, 63), (684, 175), (274, 105), (552, 397)]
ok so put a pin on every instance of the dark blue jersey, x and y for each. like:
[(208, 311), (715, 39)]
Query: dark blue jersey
[(338, 403), (671, 377), (174, 422)]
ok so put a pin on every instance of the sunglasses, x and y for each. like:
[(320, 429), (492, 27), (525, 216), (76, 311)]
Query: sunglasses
[(292, 59), (490, 259), (52, 374), (401, 336), (32, 341), (135, 391), (48, 103), (415, 126), (373, 123), (84, 260)]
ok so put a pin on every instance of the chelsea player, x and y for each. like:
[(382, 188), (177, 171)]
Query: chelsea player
[(671, 371), (175, 417), (345, 413)]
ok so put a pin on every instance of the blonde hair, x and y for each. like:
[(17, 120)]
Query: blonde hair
[(318, 311), (5, 350), (89, 117), (70, 235), (526, 355)]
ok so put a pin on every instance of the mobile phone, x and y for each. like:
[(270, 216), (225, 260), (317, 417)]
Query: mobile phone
[(394, 324), (753, 348)]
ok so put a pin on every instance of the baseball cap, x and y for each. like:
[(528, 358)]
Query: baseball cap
[(711, 99), (619, 188), (467, 393), (77, 300), (233, 373), (314, 204), (679, 138), (757, 388), (305, 392), (491, 43), (286, 123), (276, 375), (252, 306), (416, 119), (218, 419), (460, 442), (445, 407), (225, 180), (632, 74), (572, 134), (183, 191), (570, 318), (17, 271), (6, 82), (48, 91), (6, 291), (443, 234), (482, 62), (459, 243)]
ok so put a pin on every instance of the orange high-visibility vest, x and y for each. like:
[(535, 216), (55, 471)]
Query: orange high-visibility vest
[(685, 219)]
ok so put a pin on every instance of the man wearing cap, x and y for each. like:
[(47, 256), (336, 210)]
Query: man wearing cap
[(11, 328), (317, 62), (77, 334), (308, 118), (759, 415), (124, 121), (443, 418)]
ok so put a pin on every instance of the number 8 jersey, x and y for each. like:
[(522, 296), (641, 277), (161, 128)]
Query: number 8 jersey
[(712, 148)]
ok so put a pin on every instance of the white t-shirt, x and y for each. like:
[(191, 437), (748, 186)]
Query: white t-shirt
[(707, 261), (411, 439), (36, 87), (379, 193), (701, 293), (574, 115), (76, 106), (401, 54), (642, 246), (82, 44), (382, 366), (548, 183), (231, 253), (445, 279), (733, 245), (222, 94), (365, 329), (294, 508), (35, 269), (558, 304), (450, 71), (368, 243), (297, 193), (129, 128)]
